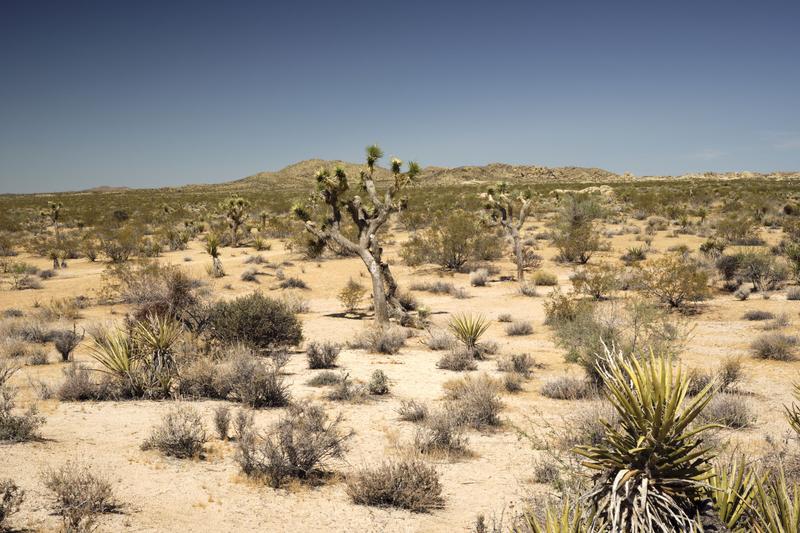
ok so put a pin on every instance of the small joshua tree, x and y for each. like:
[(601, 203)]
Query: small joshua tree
[(212, 247), (235, 209), (53, 213), (509, 211), (368, 218)]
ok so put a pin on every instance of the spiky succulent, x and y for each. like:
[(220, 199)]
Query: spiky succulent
[(468, 328), (651, 468)]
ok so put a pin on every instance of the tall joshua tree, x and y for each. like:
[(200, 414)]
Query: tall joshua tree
[(235, 209), (368, 217), (509, 210)]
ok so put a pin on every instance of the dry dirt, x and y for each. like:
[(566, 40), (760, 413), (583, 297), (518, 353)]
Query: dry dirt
[(162, 494)]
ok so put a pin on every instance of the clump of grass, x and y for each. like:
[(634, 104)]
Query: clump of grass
[(730, 411), (439, 340), (505, 317), (521, 363), (793, 293), (322, 355), (475, 400), (15, 427), (407, 484), (79, 495), (756, 314), (250, 275), (293, 283), (222, 421), (775, 346), (378, 383), (528, 289), (457, 359), (544, 278), (442, 432), (180, 434), (567, 388), (519, 328), (780, 321)]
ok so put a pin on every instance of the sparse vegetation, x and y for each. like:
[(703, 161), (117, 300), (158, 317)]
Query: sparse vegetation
[(409, 484)]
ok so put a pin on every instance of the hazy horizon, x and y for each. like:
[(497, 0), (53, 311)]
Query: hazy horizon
[(151, 95)]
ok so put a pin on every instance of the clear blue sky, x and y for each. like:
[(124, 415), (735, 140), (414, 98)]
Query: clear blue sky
[(162, 93)]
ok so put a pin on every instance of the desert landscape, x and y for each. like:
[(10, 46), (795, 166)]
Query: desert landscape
[(215, 359)]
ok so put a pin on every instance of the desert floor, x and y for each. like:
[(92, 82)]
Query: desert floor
[(163, 494)]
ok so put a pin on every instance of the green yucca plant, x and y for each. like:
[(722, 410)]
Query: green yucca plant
[(650, 468), (570, 519), (112, 349), (468, 329), (732, 489), (157, 336), (777, 506), (793, 411)]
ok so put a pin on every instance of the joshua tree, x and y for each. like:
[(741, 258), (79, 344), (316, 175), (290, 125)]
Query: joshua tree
[(235, 209), (54, 214), (368, 219), (502, 204), (212, 247)]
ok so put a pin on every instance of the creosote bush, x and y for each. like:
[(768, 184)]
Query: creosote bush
[(180, 434), (301, 445), (407, 484), (351, 295), (262, 323)]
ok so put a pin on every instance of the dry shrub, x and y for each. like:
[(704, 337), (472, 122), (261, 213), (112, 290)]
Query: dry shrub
[(412, 411), (755, 314), (568, 388), (222, 421), (521, 363), (475, 400), (407, 484), (440, 340), (346, 390), (505, 317), (528, 288), (325, 378), (11, 497), (776, 346), (726, 377), (457, 359), (79, 386), (65, 342), (519, 328), (301, 445), (479, 278), (180, 434), (378, 383), (442, 432), (258, 384), (351, 295), (15, 427), (512, 381), (79, 495), (543, 278), (381, 339), (322, 354), (730, 411)]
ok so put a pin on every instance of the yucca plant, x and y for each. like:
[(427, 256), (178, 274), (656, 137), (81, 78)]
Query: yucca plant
[(212, 248), (112, 349), (793, 411), (651, 468), (777, 506), (570, 519), (732, 488), (156, 337), (468, 329)]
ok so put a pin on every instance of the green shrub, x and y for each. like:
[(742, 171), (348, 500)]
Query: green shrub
[(262, 323), (674, 280)]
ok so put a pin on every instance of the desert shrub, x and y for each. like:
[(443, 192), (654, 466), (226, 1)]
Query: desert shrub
[(634, 254), (725, 377), (598, 281), (222, 421), (202, 377), (742, 294), (120, 244), (380, 339), (412, 411), (793, 293), (325, 378), (441, 432), (543, 278), (14, 348), (322, 355), (293, 283), (727, 266), (65, 342), (15, 427), (180, 434), (439, 340), (457, 359), (378, 383), (257, 383), (633, 326), (475, 400), (756, 314), (294, 302), (527, 288), (568, 388), (586, 426), (250, 275), (560, 307), (574, 235), (11, 497), (37, 357), (243, 424), (479, 278), (674, 280), (300, 445), (505, 317), (452, 240), (408, 484), (79, 495), (80, 386), (517, 363), (730, 411), (779, 321), (351, 295), (512, 381), (776, 346), (519, 327), (761, 269), (262, 323), (346, 390)]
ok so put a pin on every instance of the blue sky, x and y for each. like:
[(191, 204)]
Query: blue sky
[(164, 93)]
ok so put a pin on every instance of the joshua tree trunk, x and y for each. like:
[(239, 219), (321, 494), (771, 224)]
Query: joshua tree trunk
[(501, 204), (518, 255)]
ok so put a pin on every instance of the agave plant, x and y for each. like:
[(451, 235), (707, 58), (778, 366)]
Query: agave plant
[(468, 329), (651, 468)]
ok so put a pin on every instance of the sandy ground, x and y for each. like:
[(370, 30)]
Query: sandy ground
[(161, 494)]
